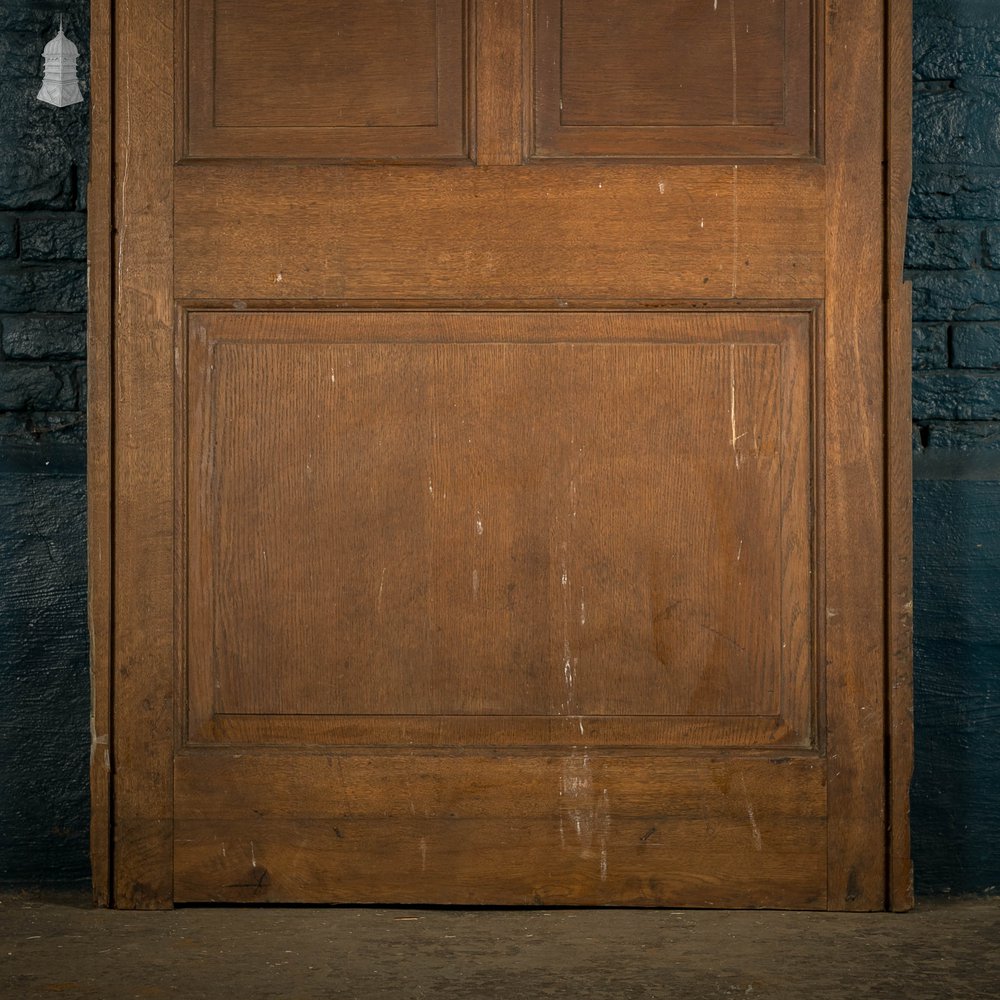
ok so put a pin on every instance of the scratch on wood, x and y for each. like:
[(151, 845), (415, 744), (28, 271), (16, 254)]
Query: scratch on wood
[(732, 402), (736, 227), (758, 843), (732, 36)]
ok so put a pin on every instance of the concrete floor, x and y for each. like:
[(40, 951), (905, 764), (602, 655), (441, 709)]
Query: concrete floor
[(59, 945)]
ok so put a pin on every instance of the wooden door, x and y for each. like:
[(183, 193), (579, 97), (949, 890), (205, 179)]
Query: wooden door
[(491, 482)]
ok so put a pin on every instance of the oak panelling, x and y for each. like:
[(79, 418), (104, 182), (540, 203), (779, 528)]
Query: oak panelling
[(386, 79), (854, 457), (582, 231), (500, 71), (605, 583), (588, 829), (143, 583), (218, 784), (620, 78)]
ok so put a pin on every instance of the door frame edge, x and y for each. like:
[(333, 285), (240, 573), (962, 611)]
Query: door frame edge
[(898, 459), (100, 360)]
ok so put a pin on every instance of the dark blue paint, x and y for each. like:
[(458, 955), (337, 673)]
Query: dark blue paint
[(956, 791)]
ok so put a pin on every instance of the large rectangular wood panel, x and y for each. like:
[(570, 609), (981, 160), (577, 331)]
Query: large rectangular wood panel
[(501, 527)]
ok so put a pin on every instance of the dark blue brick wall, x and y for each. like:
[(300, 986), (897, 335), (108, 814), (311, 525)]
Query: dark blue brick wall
[(44, 726), (953, 259)]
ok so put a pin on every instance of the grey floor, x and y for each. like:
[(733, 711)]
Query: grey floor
[(57, 945)]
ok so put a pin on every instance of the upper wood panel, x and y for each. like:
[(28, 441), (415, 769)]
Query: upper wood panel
[(684, 78), (385, 79)]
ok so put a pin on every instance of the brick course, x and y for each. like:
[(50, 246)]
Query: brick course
[(43, 224), (953, 245)]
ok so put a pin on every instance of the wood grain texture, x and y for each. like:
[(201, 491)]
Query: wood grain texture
[(99, 447), (854, 474), (684, 79), (500, 81), (424, 284), (380, 81), (586, 576), (584, 829), (581, 231), (143, 459), (899, 465)]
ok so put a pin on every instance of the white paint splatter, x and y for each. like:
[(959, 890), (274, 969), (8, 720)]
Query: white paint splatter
[(253, 856), (732, 401), (381, 587), (732, 32), (758, 843), (736, 228)]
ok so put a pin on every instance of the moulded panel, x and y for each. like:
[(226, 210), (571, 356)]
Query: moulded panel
[(342, 80), (685, 78), (495, 516)]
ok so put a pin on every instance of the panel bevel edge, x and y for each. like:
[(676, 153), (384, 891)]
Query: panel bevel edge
[(899, 460), (99, 449)]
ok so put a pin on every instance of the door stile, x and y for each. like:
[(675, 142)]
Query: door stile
[(854, 476), (144, 501)]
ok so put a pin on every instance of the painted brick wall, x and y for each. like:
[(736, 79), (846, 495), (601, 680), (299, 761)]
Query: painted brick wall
[(44, 728), (954, 261)]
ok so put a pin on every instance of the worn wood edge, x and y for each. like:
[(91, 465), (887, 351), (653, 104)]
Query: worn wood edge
[(417, 860), (99, 447), (899, 460), (854, 464), (141, 664)]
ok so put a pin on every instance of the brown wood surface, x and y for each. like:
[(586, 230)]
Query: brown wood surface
[(854, 474), (899, 467), (678, 80), (583, 231), (143, 439), (584, 828), (712, 335), (99, 458), (501, 68), (668, 595), (287, 79)]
